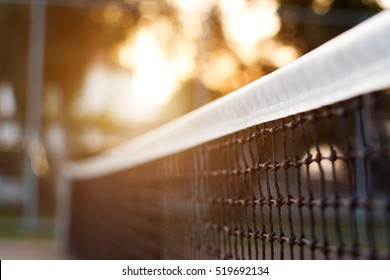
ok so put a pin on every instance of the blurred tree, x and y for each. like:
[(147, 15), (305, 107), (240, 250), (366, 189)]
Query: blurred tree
[(77, 32), (14, 28), (309, 23), (75, 36)]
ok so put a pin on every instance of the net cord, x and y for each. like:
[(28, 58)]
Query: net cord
[(354, 63)]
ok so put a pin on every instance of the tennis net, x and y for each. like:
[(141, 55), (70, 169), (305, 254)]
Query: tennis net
[(293, 166)]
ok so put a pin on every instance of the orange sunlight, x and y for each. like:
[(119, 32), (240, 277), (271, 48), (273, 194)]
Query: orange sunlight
[(156, 74)]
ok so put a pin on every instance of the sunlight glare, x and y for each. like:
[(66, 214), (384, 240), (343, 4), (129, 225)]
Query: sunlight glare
[(384, 4), (221, 67), (192, 15), (284, 55), (156, 74), (246, 23), (153, 80)]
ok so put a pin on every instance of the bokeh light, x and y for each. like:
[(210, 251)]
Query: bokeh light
[(385, 4), (321, 7), (245, 23)]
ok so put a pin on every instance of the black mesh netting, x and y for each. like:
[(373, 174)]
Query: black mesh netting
[(310, 186)]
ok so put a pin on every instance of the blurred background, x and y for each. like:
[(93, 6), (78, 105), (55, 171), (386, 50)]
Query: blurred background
[(79, 77)]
